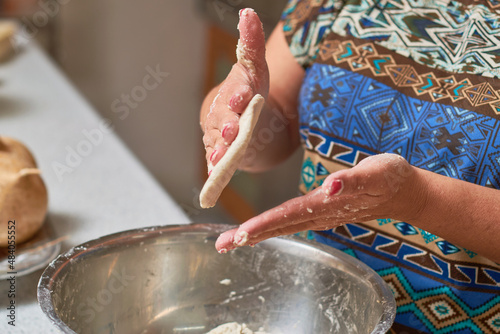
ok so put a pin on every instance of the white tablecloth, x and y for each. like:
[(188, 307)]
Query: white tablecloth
[(96, 186)]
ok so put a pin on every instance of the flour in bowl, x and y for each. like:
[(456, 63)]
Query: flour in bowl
[(233, 328)]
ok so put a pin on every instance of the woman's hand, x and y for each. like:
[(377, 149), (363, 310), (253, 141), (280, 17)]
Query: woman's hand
[(249, 76), (381, 186)]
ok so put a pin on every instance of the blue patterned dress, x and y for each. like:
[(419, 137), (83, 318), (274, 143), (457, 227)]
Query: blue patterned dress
[(420, 79)]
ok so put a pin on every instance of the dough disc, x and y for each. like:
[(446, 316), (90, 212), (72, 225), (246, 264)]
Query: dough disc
[(225, 168)]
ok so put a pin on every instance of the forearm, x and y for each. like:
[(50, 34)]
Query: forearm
[(463, 213)]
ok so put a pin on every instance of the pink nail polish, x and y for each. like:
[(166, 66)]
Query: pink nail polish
[(224, 131), (213, 156), (209, 172), (336, 187), (222, 251), (235, 100)]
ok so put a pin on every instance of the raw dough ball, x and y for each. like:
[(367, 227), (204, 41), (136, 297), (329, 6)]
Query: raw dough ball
[(23, 196)]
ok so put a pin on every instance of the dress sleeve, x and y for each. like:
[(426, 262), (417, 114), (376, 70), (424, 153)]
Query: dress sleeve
[(305, 22)]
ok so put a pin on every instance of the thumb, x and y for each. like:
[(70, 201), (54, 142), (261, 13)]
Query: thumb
[(356, 180), (374, 175), (251, 49)]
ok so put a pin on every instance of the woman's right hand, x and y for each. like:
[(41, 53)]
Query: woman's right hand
[(249, 76)]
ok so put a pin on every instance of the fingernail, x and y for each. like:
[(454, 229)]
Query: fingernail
[(222, 251), (209, 172), (224, 131), (235, 101), (335, 188), (213, 155)]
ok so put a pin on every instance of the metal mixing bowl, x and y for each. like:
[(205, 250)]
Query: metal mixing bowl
[(170, 279)]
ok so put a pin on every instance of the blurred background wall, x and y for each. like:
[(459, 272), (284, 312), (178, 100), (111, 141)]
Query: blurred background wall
[(108, 47)]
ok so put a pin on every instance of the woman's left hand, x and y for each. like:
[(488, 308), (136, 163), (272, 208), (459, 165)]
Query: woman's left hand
[(381, 186)]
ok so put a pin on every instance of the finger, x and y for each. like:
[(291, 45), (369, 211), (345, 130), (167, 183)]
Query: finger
[(214, 154), (216, 139), (225, 242), (218, 152), (237, 104), (370, 176), (251, 50), (335, 184), (215, 147), (240, 98), (209, 138), (356, 180), (292, 212), (316, 209), (346, 209), (313, 225), (226, 109), (220, 117), (320, 224)]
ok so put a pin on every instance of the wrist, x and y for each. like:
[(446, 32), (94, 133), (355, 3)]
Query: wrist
[(416, 197)]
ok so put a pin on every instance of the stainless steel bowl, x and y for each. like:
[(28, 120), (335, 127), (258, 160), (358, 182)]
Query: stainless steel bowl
[(170, 279)]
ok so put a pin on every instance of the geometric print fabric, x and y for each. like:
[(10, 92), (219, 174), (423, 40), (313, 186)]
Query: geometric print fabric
[(447, 140), (455, 36), (434, 292), (451, 35), (429, 306), (411, 78)]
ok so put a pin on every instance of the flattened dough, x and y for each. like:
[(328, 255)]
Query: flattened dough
[(225, 168)]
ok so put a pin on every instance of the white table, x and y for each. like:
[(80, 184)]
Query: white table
[(105, 192)]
